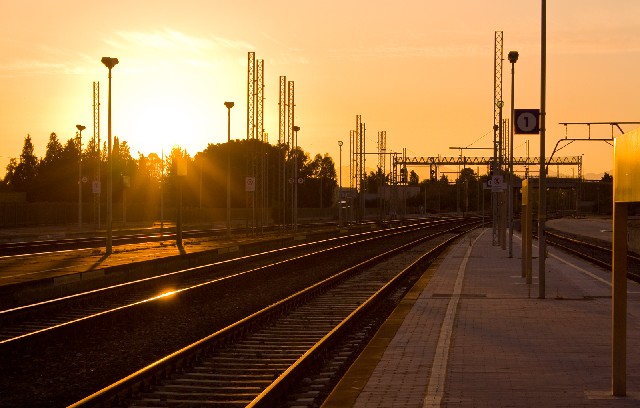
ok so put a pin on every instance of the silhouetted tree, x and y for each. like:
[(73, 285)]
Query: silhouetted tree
[(49, 171), (322, 180), (374, 180), (55, 177), (10, 175), (414, 180), (21, 175)]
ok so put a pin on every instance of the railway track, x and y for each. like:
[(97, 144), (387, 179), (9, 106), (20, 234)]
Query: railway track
[(35, 319), (83, 351), (90, 242), (257, 361), (596, 253)]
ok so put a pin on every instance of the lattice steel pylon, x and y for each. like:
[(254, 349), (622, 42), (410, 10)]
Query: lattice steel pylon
[(497, 126), (382, 149), (359, 157), (497, 88), (282, 142), (251, 86), (259, 103), (255, 97), (282, 111), (357, 150), (291, 104), (352, 167)]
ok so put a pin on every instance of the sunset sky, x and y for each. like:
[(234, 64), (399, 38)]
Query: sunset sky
[(420, 70)]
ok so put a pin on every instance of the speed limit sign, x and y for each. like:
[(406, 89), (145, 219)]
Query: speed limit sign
[(527, 121)]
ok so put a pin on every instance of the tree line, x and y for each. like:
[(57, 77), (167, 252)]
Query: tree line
[(55, 177), (146, 180)]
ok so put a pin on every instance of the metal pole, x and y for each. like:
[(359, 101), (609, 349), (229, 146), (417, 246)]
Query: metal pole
[(482, 192), (340, 188), (500, 195), (284, 149), (294, 215), (510, 186), (494, 200), (295, 180), (109, 249), (542, 207), (229, 105), (162, 193), (96, 136), (80, 127), (179, 220)]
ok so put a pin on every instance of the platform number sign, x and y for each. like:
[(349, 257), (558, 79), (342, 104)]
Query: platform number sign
[(527, 121)]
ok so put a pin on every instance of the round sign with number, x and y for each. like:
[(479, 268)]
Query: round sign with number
[(527, 121)]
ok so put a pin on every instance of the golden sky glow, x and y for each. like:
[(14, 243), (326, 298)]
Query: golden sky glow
[(420, 70)]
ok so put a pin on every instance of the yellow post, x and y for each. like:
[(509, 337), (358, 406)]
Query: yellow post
[(529, 244), (626, 171), (524, 225), (619, 294)]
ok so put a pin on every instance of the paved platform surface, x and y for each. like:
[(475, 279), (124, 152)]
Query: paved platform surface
[(472, 333)]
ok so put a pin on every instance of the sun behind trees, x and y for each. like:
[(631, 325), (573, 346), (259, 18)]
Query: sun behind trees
[(143, 180)]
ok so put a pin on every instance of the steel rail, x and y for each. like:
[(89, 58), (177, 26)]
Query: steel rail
[(576, 246), (186, 357), (195, 277)]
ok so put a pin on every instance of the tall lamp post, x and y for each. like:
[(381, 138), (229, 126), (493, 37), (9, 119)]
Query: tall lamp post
[(80, 129), (542, 207), (109, 63), (513, 57), (229, 105), (340, 188)]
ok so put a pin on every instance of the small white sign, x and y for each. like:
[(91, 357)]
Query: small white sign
[(250, 184), (96, 187), (496, 183)]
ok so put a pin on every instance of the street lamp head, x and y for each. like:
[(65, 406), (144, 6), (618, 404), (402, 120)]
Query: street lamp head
[(513, 56), (296, 128), (109, 62), (80, 127), (340, 143), (229, 105), (499, 104)]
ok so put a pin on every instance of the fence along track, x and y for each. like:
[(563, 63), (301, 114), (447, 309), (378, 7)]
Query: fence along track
[(255, 367)]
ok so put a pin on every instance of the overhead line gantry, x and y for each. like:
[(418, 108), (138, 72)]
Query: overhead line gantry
[(471, 160)]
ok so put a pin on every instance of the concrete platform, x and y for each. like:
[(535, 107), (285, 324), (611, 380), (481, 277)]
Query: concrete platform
[(472, 333)]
